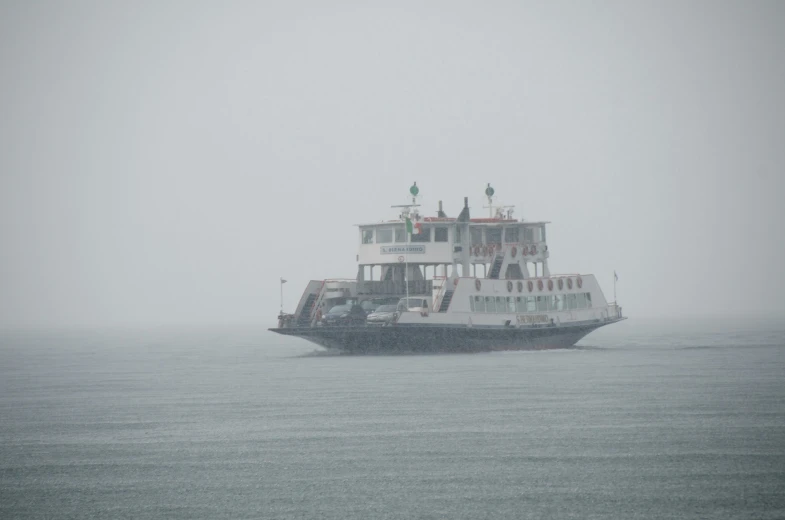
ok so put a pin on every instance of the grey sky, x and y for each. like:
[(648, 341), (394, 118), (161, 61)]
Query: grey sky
[(166, 162)]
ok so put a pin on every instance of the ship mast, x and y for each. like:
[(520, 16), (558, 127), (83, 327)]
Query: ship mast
[(499, 210), (489, 193), (406, 213)]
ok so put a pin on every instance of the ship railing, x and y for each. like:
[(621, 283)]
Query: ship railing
[(614, 310), (286, 320)]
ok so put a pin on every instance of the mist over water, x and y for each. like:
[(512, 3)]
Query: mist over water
[(168, 162), (649, 420)]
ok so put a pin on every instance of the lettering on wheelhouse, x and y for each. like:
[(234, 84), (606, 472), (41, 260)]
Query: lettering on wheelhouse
[(402, 250)]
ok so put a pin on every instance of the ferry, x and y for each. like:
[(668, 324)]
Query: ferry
[(450, 284)]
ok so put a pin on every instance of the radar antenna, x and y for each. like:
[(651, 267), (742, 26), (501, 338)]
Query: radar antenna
[(407, 210), (497, 212)]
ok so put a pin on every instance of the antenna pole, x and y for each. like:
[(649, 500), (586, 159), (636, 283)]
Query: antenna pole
[(614, 287), (406, 268), (489, 191)]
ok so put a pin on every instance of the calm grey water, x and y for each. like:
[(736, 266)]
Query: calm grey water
[(644, 420)]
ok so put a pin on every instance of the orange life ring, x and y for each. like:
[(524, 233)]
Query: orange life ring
[(514, 251), (534, 250), (550, 285), (477, 284), (579, 281), (569, 283), (509, 286), (530, 285), (520, 286), (539, 285), (561, 284)]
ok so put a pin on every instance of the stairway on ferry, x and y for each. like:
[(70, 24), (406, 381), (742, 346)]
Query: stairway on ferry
[(496, 268), (446, 301), (304, 319)]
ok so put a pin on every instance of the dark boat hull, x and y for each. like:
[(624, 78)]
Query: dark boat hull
[(407, 339)]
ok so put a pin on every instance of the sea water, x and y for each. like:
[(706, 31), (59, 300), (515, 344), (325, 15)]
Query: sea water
[(643, 419)]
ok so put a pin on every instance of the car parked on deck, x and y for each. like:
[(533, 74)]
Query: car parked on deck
[(345, 315), (383, 315)]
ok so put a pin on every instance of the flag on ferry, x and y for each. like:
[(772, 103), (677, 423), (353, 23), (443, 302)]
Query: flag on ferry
[(615, 276), (283, 281), (413, 229)]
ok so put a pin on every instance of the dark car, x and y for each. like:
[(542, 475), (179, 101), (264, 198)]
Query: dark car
[(345, 315)]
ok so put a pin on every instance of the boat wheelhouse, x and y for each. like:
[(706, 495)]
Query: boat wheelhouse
[(461, 284)]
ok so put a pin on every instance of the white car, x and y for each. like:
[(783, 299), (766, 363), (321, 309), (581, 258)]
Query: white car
[(415, 304)]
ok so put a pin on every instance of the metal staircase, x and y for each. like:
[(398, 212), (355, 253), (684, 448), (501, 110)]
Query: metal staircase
[(446, 301), (496, 267), (304, 319)]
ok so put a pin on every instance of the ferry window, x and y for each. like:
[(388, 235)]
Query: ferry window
[(520, 303), (552, 302), (490, 304), (528, 234), (400, 234), (530, 304), (476, 236), (542, 234), (440, 234), (479, 304), (542, 304), (384, 236), (367, 236), (581, 297), (511, 235), (423, 236), (511, 304), (559, 302), (588, 299), (471, 303), (501, 304), (572, 302), (493, 236)]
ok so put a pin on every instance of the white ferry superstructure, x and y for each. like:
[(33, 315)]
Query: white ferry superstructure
[(461, 284)]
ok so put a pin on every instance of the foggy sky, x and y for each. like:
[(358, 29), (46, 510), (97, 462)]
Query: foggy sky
[(167, 162)]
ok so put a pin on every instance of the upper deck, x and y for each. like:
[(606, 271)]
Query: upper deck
[(385, 242)]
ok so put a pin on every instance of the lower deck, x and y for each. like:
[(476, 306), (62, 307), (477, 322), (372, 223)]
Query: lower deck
[(421, 338)]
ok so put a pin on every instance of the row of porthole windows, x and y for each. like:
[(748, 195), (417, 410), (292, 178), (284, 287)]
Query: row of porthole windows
[(493, 235), (515, 304)]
